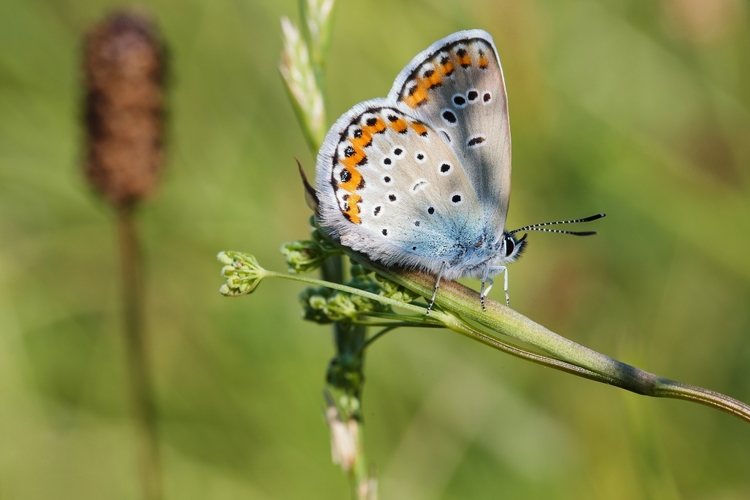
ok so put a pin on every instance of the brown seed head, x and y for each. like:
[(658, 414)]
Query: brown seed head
[(124, 115)]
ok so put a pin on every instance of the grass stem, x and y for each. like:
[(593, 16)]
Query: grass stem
[(139, 374)]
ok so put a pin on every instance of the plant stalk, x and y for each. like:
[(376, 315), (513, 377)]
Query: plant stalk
[(139, 374), (568, 355)]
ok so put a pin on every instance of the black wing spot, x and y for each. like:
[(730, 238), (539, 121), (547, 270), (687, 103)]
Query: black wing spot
[(456, 198), (413, 248), (376, 211), (398, 151), (387, 161), (487, 97), (472, 95), (475, 141), (445, 134), (431, 210), (444, 168), (348, 151), (420, 156), (449, 116), (372, 121), (459, 100), (385, 232), (345, 175), (358, 133), (387, 179), (417, 223), (392, 197), (393, 118), (418, 185)]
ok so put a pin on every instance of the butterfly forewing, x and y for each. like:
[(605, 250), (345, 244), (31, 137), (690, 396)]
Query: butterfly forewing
[(456, 86)]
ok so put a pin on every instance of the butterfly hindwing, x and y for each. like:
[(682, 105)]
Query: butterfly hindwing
[(391, 188)]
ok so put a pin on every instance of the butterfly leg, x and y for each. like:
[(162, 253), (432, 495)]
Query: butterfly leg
[(484, 291), (487, 283), (507, 295), (434, 290)]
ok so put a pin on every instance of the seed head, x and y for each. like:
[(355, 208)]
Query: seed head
[(124, 63)]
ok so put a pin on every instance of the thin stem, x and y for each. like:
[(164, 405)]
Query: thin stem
[(640, 382), (415, 320), (347, 289), (397, 323), (676, 390), (378, 335), (149, 463)]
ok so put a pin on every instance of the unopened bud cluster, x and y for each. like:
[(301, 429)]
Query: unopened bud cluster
[(324, 305), (242, 272), (304, 256)]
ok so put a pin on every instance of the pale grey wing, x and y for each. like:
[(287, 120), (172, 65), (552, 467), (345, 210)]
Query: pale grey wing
[(456, 86), (389, 187)]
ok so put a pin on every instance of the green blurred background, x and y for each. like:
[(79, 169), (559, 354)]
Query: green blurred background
[(638, 109)]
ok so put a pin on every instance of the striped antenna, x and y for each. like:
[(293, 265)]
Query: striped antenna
[(538, 227)]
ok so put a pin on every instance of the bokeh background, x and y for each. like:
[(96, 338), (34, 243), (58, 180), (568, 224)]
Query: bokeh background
[(638, 109)]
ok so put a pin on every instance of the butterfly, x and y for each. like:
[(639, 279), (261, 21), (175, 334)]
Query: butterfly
[(421, 179)]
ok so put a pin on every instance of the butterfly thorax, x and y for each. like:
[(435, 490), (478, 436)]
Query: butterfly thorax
[(483, 258)]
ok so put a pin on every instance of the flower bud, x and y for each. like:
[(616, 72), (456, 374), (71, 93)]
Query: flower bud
[(304, 256), (242, 272)]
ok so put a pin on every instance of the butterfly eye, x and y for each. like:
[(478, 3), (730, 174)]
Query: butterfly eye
[(510, 245)]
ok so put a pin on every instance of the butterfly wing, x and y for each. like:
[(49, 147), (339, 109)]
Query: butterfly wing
[(456, 86), (390, 187)]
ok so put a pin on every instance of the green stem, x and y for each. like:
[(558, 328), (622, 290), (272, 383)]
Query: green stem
[(570, 357), (149, 463), (347, 289), (350, 340)]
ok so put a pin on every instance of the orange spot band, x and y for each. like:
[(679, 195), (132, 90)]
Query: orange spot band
[(464, 61), (447, 68), (352, 212), (350, 162), (433, 79), (419, 128), (399, 125), (415, 98), (355, 179)]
